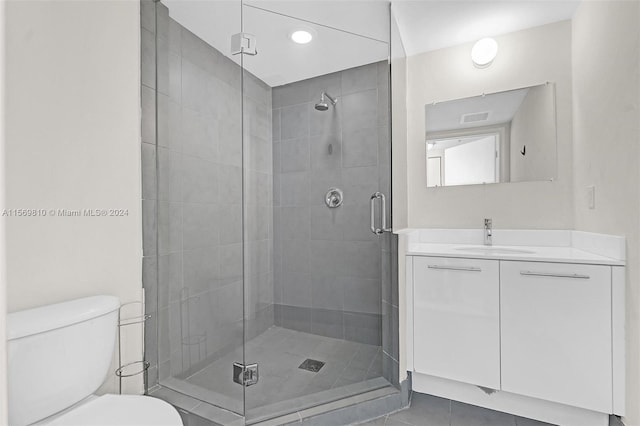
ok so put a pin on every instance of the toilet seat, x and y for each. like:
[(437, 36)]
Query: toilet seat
[(120, 410)]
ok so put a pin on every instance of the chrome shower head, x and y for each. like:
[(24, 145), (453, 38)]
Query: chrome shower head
[(323, 105)]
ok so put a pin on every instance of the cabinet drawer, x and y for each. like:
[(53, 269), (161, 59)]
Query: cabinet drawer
[(456, 319), (556, 332)]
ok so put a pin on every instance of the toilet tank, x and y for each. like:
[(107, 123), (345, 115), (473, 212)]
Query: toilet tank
[(58, 355)]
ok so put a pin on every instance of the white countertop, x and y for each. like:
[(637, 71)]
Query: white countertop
[(540, 254), (560, 246)]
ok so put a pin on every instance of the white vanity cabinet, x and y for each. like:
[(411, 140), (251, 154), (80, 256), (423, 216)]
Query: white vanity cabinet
[(456, 316), (556, 332), (534, 329)]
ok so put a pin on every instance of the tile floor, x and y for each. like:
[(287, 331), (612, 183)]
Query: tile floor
[(279, 352), (427, 410)]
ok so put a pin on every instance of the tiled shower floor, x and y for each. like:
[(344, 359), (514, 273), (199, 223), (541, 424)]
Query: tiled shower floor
[(278, 352)]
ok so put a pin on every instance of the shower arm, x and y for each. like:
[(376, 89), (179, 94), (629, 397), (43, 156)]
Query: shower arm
[(331, 99)]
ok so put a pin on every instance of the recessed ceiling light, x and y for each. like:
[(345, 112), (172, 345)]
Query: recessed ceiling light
[(484, 52), (301, 36)]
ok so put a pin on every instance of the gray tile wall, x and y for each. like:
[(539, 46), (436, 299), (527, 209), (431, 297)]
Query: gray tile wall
[(193, 199), (328, 266)]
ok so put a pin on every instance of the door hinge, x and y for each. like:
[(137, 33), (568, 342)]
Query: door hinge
[(244, 43), (245, 375)]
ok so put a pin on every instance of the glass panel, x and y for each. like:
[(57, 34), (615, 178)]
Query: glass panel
[(316, 117), (199, 165)]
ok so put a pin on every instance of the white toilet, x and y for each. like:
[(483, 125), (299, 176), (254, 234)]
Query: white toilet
[(59, 355)]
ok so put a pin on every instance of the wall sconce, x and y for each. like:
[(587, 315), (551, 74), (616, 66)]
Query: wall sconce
[(484, 52)]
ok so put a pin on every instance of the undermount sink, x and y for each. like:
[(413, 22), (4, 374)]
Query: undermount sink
[(494, 250)]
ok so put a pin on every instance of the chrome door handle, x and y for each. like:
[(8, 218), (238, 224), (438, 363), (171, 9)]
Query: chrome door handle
[(383, 214), (372, 203), (456, 268), (551, 274)]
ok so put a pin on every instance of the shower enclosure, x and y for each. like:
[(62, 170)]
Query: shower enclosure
[(266, 185)]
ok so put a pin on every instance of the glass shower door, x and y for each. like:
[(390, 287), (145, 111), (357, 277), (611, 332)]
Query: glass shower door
[(199, 200), (270, 283), (315, 148)]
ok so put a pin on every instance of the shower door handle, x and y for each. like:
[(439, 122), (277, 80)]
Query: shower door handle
[(383, 213)]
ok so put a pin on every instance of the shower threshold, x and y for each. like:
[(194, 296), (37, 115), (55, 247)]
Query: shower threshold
[(348, 369), (289, 411)]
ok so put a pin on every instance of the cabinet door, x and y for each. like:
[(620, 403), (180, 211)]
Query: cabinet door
[(556, 332), (456, 319)]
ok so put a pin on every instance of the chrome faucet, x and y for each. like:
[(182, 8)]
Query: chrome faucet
[(488, 232)]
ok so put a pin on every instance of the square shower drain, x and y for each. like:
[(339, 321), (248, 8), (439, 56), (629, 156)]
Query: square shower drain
[(311, 365)]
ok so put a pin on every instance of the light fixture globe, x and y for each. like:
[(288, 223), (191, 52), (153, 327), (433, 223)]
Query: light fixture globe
[(301, 36), (484, 52)]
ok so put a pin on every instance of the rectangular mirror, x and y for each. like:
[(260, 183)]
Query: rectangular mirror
[(501, 137)]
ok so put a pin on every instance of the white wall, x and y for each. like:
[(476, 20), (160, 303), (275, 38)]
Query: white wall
[(73, 142), (525, 58), (3, 275), (606, 146)]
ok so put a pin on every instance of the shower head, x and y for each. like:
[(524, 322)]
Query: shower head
[(323, 105)]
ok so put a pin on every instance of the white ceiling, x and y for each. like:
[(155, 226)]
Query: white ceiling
[(434, 24), (280, 61), (353, 32), (350, 33), (369, 18), (501, 108)]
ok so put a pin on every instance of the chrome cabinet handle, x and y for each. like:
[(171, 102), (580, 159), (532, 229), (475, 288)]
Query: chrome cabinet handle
[(383, 214), (456, 268), (551, 274)]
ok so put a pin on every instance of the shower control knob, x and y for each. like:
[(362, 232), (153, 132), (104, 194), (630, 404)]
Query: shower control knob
[(333, 198)]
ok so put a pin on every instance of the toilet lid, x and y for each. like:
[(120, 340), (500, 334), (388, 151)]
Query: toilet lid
[(121, 410)]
